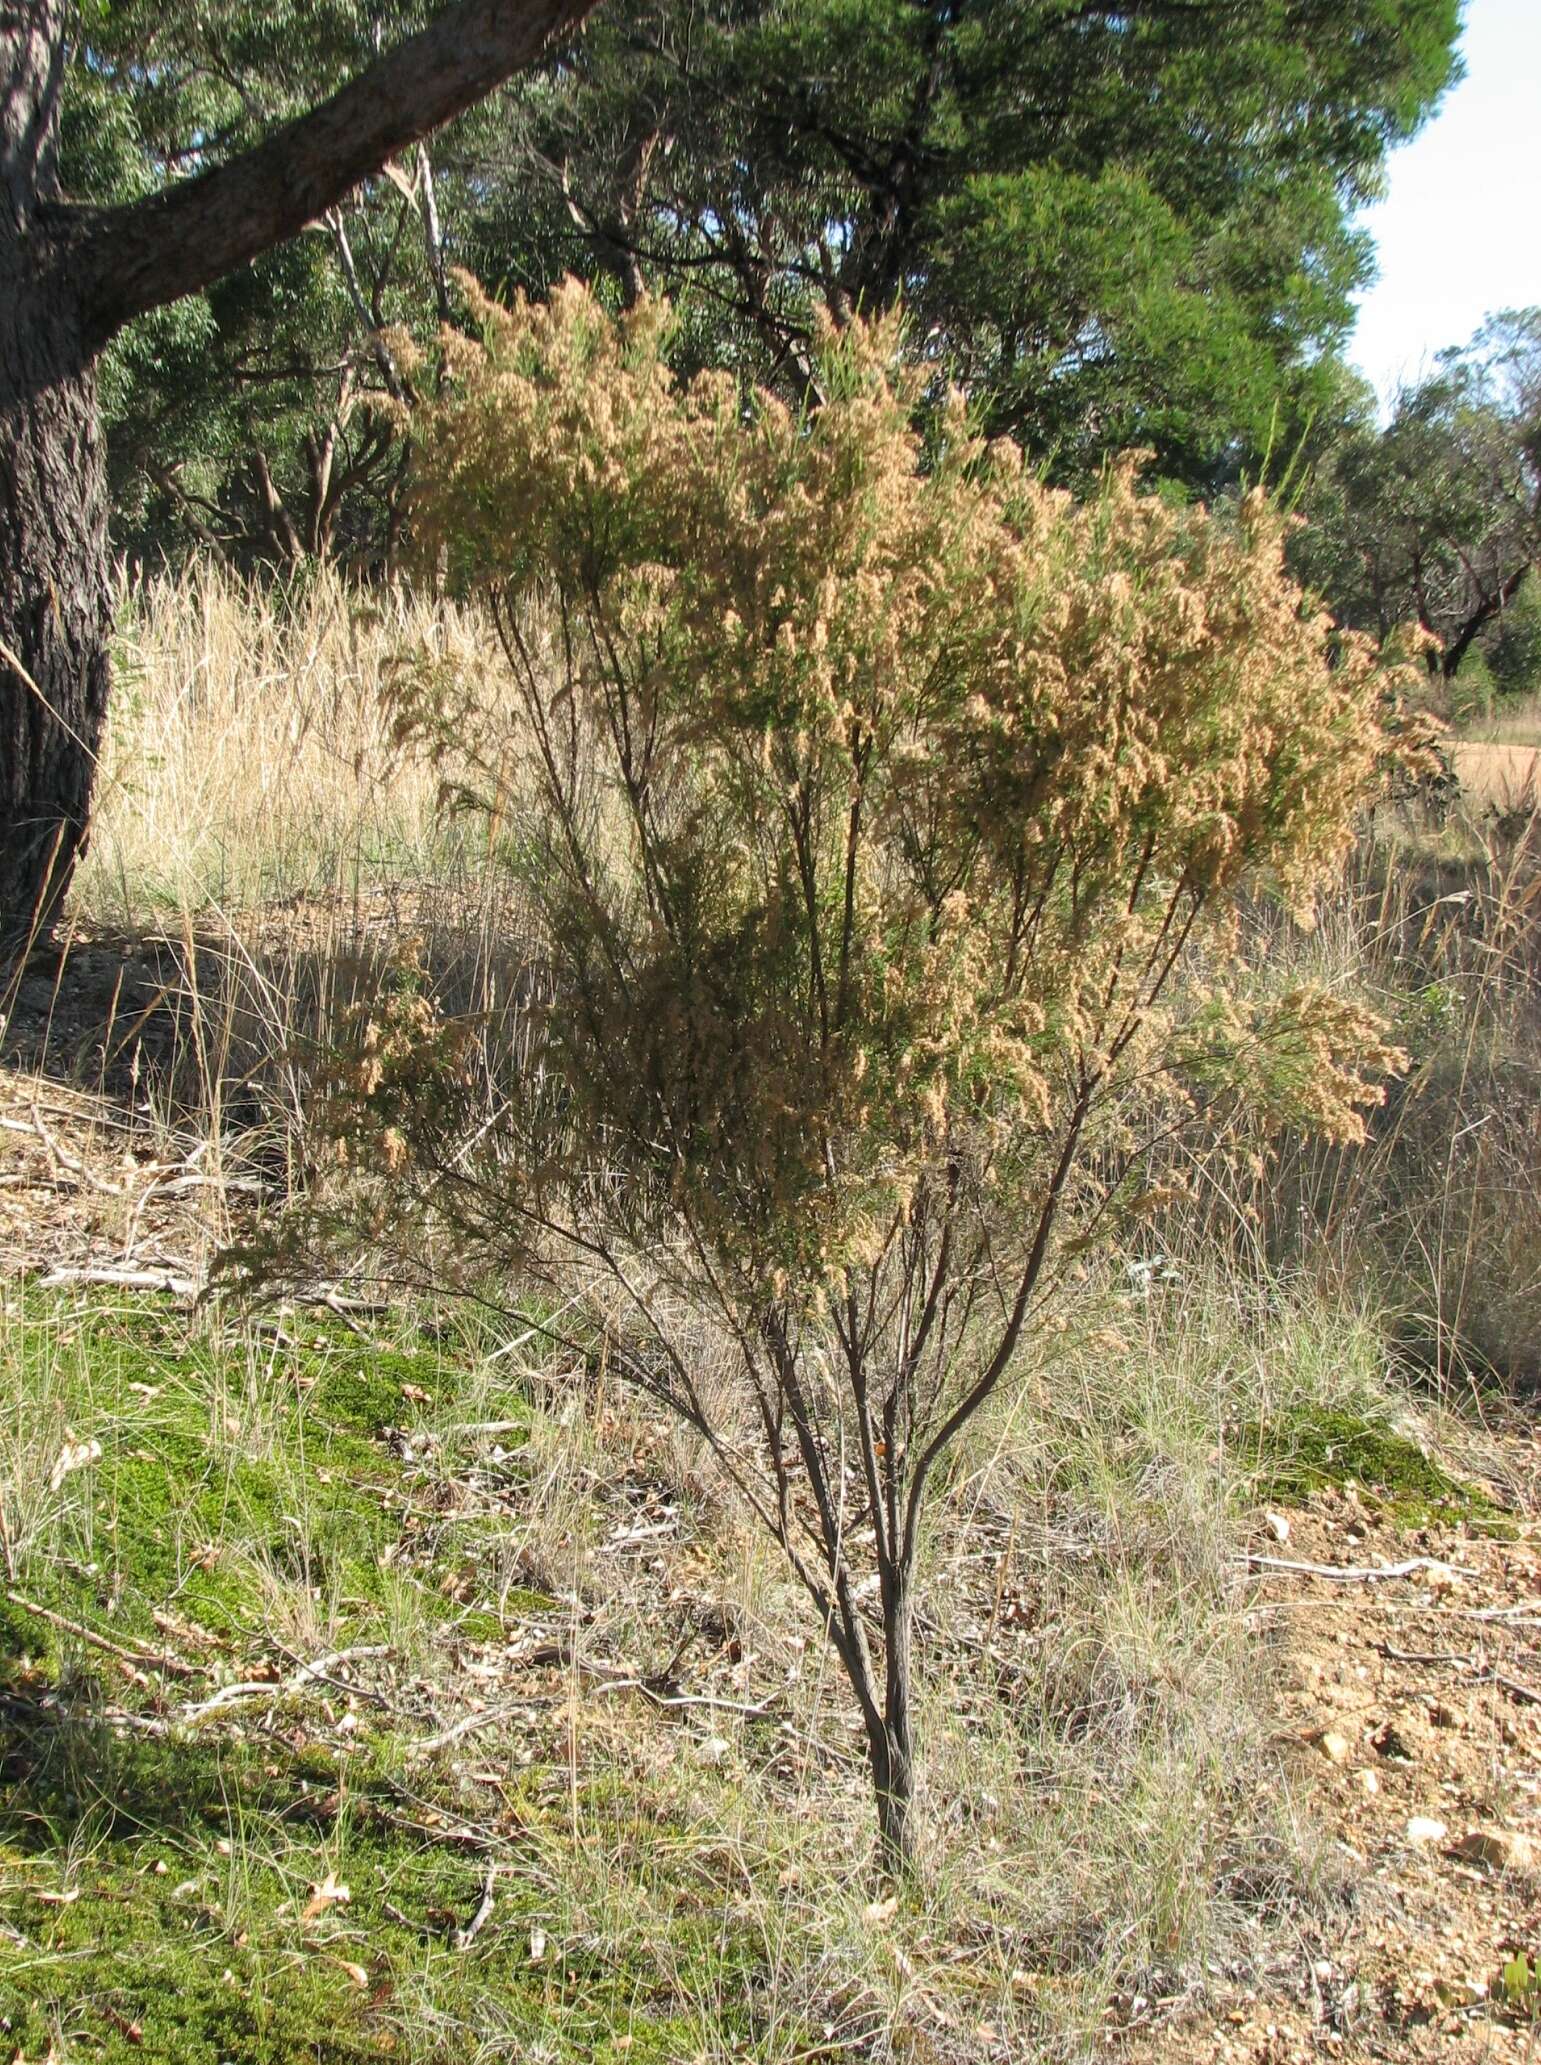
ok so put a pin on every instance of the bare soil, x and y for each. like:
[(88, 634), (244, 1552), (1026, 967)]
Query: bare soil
[(1411, 1708)]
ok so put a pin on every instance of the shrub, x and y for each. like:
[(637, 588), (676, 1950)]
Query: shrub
[(868, 796)]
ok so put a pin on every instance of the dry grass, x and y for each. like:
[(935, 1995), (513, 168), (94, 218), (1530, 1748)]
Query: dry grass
[(1096, 1707), (1438, 1220), (1503, 775), (1515, 721), (246, 758)]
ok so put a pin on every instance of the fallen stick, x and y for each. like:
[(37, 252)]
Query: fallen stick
[(141, 1659), (671, 1699), (1481, 1674), (468, 1724), (465, 1937), (1517, 1686), (282, 1688), (119, 1278), (72, 1163), (1351, 1573)]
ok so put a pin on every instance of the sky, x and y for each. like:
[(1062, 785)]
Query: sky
[(1459, 233)]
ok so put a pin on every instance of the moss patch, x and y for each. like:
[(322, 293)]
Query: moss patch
[(169, 1898), (1336, 1446), (159, 1878)]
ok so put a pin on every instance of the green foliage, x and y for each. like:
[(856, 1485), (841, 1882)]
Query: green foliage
[(201, 1520), (1343, 1445), (1513, 651), (203, 397), (1117, 225), (1435, 519), (155, 1876)]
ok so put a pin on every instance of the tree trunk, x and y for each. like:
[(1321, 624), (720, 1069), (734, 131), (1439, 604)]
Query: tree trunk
[(55, 598), (70, 277), (891, 1747)]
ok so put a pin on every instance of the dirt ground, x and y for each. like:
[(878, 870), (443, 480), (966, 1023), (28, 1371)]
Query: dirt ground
[(1409, 1699)]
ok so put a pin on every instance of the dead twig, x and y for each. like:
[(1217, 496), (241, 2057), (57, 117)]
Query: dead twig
[(141, 1658), (1352, 1573), (283, 1688), (125, 1279), (672, 1699), (465, 1937), (468, 1724), (1482, 1673)]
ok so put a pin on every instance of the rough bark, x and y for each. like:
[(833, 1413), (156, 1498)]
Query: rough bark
[(70, 277), (178, 241), (55, 599)]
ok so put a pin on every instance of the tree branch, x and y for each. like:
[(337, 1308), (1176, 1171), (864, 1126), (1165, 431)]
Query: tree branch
[(127, 260)]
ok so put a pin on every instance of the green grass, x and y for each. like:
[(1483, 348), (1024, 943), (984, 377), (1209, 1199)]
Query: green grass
[(186, 1871), (264, 1496), (251, 1497), (229, 1470)]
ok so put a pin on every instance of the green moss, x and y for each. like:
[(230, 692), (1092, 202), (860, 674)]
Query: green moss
[(187, 1937), (239, 1475), (1329, 1446)]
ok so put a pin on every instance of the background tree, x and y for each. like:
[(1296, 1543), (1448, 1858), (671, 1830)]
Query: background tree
[(1435, 518), (869, 796), (72, 275), (245, 420), (1114, 224)]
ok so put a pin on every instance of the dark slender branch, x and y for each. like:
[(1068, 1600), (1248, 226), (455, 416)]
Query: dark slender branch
[(126, 260), (1489, 607), (996, 1368)]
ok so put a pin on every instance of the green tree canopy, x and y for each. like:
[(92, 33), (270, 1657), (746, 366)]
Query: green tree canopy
[(1435, 518), (1116, 222)]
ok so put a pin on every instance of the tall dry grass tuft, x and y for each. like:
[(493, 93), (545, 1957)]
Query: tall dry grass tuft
[(1437, 1219), (247, 757), (263, 853)]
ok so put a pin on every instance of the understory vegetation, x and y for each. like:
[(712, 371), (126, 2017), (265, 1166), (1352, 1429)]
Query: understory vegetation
[(770, 1041), (514, 1670), (549, 1665)]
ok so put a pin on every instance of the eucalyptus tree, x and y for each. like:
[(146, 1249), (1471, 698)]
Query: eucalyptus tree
[(1434, 517), (73, 273), (1115, 222)]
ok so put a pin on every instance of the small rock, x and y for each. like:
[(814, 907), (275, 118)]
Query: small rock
[(1500, 1849), (712, 1750), (1423, 1828), (1369, 1782), (1337, 1749), (1277, 1526)]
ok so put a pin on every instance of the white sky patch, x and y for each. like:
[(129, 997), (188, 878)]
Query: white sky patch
[(1458, 236)]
